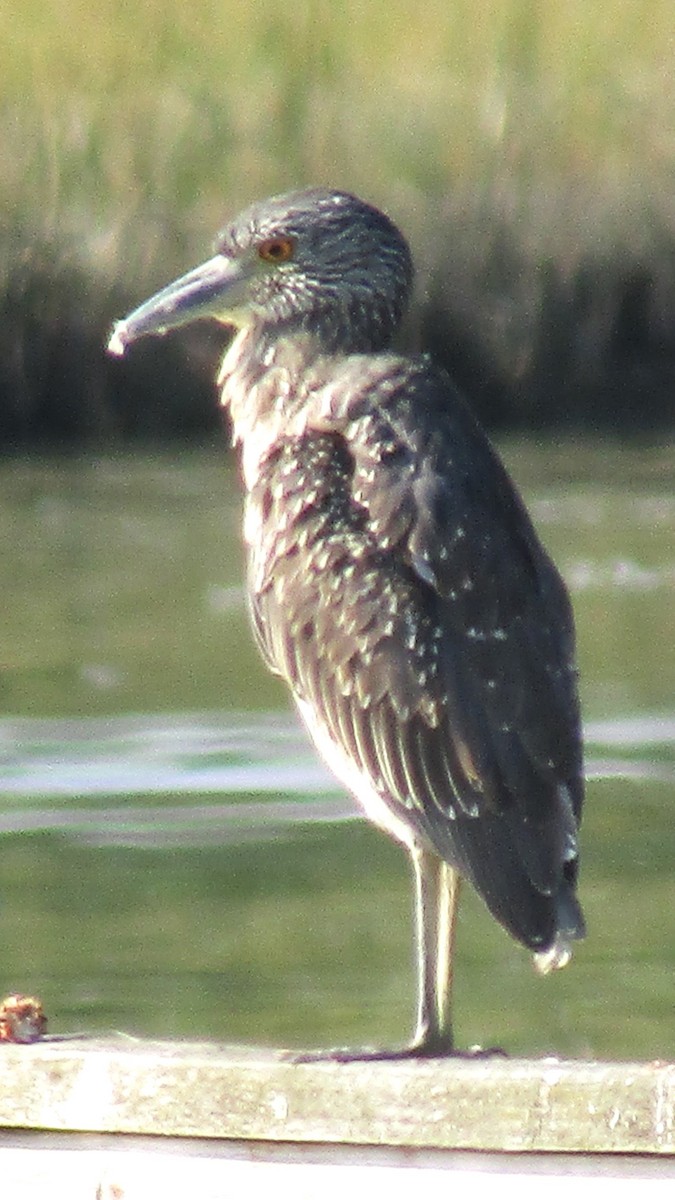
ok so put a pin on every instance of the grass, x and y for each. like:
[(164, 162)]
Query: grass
[(526, 148)]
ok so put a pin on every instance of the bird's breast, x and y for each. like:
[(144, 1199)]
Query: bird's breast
[(265, 389)]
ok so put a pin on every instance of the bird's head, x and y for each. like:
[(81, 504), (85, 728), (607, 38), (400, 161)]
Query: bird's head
[(317, 262)]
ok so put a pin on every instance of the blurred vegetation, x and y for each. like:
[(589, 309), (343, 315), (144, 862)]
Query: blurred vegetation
[(528, 150)]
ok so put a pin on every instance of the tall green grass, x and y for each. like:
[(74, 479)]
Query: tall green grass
[(517, 142)]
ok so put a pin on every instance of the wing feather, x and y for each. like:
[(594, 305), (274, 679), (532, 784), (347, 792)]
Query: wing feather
[(411, 605)]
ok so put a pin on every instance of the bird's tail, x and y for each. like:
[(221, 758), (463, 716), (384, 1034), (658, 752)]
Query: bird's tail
[(571, 927)]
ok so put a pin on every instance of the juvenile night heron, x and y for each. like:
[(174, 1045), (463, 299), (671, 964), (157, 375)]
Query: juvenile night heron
[(395, 579)]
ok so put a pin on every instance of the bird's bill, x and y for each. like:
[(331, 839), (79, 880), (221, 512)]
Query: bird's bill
[(214, 289)]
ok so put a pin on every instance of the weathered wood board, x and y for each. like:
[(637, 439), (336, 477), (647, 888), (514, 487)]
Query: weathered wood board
[(197, 1090)]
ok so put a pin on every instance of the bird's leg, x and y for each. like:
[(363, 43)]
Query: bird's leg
[(436, 898)]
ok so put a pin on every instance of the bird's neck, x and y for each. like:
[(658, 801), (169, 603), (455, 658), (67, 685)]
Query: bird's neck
[(263, 382)]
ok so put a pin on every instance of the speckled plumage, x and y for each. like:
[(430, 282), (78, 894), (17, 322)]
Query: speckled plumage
[(395, 579), (429, 631)]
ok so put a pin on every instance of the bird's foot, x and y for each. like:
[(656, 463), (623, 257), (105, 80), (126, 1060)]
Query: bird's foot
[(484, 1052), (417, 1050), (347, 1054), (437, 1046)]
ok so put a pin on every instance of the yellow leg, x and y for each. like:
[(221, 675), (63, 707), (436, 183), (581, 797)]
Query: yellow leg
[(436, 895)]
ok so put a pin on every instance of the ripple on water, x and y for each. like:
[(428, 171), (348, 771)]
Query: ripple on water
[(74, 766)]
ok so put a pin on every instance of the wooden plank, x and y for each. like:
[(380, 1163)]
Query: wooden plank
[(120, 1085)]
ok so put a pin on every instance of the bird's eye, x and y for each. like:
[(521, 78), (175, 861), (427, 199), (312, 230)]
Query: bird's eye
[(276, 250)]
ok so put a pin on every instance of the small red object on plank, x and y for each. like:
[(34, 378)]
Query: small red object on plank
[(22, 1019)]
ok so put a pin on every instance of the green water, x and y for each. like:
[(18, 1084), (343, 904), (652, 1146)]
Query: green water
[(122, 595)]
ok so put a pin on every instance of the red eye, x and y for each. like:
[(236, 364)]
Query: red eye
[(276, 250)]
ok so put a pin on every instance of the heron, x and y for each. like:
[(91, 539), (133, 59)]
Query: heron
[(395, 578)]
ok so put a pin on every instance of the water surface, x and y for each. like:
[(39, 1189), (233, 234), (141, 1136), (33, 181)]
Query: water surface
[(173, 858)]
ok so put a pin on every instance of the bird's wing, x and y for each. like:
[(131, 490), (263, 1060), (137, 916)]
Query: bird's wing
[(399, 586)]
